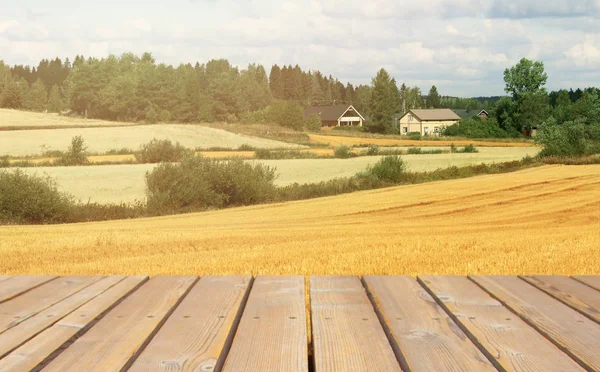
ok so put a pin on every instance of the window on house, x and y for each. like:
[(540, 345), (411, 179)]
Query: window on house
[(436, 129), (404, 129), (426, 129), (409, 117)]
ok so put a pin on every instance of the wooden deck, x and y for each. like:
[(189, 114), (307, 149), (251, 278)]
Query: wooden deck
[(240, 323)]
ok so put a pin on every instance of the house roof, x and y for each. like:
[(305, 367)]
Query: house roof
[(329, 112), (435, 114), (480, 112)]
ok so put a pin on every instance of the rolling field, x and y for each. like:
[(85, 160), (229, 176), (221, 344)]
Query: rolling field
[(354, 141), (11, 119), (100, 140), (543, 220), (125, 183)]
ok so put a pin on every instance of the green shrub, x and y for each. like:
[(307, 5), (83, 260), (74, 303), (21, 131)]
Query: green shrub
[(31, 199), (76, 153), (199, 183), (157, 151), (372, 150), (414, 136), (342, 152), (350, 128), (476, 128), (567, 139), (312, 123), (284, 154), (414, 150), (246, 147), (4, 161), (470, 148), (123, 151), (152, 116), (389, 168)]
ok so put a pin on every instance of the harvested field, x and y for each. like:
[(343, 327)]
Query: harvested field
[(125, 183), (101, 140), (354, 141), (543, 220), (16, 119)]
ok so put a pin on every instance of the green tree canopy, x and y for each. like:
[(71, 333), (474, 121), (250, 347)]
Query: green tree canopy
[(385, 102), (433, 98), (525, 77)]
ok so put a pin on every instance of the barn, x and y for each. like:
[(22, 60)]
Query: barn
[(336, 115)]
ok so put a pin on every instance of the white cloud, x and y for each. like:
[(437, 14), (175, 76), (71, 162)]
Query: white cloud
[(460, 46)]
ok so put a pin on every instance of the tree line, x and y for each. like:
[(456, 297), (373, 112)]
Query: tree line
[(136, 88)]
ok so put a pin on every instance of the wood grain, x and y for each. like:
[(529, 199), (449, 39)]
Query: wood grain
[(347, 335), (418, 326), (511, 342), (272, 332), (195, 336), (576, 334), (577, 295), (17, 335), (115, 339), (592, 281), (36, 350), (21, 308), (13, 286)]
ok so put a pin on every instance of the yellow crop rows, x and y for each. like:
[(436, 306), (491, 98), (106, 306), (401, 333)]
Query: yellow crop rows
[(543, 220)]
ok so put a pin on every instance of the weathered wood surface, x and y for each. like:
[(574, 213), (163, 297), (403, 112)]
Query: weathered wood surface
[(34, 352), (21, 308), (346, 332), (592, 281), (272, 332), (507, 339), (196, 335), (573, 332), (579, 296), (237, 323), (418, 326), (114, 341), (22, 332), (14, 286)]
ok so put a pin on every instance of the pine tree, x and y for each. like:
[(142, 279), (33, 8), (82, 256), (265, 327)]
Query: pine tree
[(385, 102), (433, 98), (276, 82)]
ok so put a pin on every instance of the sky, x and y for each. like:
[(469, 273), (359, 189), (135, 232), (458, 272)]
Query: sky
[(461, 46)]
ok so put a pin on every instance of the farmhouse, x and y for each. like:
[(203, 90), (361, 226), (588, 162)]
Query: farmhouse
[(483, 115), (427, 122), (335, 116)]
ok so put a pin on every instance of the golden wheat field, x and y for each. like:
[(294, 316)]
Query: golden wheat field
[(354, 141), (543, 220)]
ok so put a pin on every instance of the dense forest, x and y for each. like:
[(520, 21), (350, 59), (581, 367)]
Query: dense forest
[(132, 88)]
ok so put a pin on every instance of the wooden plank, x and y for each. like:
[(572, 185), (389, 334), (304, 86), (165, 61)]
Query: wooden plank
[(418, 326), (196, 336), (116, 339), (347, 335), (4, 277), (507, 339), (272, 332), (14, 286), (577, 295), (592, 281), (17, 335), (34, 352), (574, 333), (23, 307)]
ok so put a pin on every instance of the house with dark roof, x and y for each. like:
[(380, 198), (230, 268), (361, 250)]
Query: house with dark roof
[(428, 122), (336, 115)]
